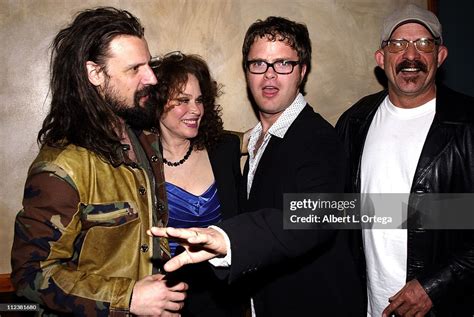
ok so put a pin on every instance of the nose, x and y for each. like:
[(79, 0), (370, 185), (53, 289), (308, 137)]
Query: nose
[(149, 77), (411, 52), (193, 108), (270, 73)]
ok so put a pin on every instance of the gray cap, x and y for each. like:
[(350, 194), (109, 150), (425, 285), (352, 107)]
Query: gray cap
[(411, 13)]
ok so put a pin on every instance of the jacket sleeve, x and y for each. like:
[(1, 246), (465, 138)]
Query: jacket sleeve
[(46, 251), (456, 278)]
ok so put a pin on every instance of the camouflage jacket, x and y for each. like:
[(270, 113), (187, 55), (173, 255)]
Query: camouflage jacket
[(80, 240)]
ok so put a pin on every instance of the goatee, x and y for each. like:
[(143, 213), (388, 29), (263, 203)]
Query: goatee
[(137, 117)]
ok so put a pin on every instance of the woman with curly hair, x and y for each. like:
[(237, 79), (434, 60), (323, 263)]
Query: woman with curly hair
[(201, 166)]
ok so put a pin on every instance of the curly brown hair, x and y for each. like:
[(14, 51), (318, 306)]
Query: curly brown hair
[(172, 72)]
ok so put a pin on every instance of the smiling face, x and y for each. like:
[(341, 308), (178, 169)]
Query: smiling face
[(411, 74), (273, 92), (183, 112)]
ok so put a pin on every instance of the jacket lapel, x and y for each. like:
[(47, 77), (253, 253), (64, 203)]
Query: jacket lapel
[(358, 127), (438, 136)]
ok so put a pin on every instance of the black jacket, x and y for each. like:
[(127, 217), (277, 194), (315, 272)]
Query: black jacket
[(441, 260), (294, 272), (208, 296)]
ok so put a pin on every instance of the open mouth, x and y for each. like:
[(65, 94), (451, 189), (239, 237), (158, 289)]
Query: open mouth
[(410, 70), (191, 123), (411, 67), (270, 91)]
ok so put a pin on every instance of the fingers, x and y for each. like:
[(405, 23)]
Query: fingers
[(170, 314), (157, 277), (192, 235), (158, 232), (173, 306), (152, 296), (177, 262), (180, 287), (411, 300), (391, 308)]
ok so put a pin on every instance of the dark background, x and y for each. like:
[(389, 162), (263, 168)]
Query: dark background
[(457, 19)]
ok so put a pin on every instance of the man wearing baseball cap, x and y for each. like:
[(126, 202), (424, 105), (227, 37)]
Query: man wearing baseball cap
[(414, 137)]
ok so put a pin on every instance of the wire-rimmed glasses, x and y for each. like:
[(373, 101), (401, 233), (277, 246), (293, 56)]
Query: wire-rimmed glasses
[(424, 45)]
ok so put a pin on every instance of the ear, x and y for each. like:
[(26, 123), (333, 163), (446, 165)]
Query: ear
[(303, 72), (95, 73), (379, 58), (442, 54)]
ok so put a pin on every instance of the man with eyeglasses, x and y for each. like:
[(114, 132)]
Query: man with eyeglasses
[(416, 137), (291, 150)]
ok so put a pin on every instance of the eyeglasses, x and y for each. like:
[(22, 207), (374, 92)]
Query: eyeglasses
[(156, 61), (282, 67), (423, 45)]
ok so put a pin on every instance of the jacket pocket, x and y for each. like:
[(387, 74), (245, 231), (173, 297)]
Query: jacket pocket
[(108, 215)]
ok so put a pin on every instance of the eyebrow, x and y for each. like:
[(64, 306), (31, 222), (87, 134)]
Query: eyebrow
[(276, 59), (131, 66)]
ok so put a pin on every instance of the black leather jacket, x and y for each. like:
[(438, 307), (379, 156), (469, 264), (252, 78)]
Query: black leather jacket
[(441, 260)]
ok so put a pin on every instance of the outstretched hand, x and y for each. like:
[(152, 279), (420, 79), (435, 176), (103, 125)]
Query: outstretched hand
[(200, 244)]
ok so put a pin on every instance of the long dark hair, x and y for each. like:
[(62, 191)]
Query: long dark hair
[(78, 114), (281, 29), (172, 73)]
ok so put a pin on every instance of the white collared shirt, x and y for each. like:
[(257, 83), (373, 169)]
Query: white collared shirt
[(278, 129)]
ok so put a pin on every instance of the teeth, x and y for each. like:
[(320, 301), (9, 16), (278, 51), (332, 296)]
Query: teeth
[(190, 121), (410, 69)]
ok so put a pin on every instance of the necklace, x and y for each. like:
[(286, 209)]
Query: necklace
[(181, 161)]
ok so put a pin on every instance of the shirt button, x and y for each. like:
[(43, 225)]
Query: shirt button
[(144, 248), (125, 147), (154, 158), (160, 206), (142, 190)]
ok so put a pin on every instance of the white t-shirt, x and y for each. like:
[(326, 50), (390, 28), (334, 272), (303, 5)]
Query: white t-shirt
[(390, 156)]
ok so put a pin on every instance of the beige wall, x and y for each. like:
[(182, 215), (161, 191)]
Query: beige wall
[(344, 34)]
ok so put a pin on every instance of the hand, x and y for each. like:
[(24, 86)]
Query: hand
[(153, 295), (410, 301), (200, 244)]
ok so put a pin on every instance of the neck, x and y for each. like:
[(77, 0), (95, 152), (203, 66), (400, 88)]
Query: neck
[(267, 120), (125, 139), (412, 101), (174, 148)]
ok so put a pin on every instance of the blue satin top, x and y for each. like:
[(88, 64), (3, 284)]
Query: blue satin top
[(187, 210)]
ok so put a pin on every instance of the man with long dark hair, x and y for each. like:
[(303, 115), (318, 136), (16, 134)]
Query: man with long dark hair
[(97, 184)]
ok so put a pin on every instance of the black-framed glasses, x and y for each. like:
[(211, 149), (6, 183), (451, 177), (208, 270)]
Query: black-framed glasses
[(281, 66), (424, 45), (156, 61)]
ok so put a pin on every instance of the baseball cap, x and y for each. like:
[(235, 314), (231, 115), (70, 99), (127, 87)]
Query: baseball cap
[(411, 13)]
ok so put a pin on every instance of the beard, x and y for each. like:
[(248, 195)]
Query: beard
[(136, 116)]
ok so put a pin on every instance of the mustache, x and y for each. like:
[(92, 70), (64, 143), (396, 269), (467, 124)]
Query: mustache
[(143, 92), (412, 64)]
